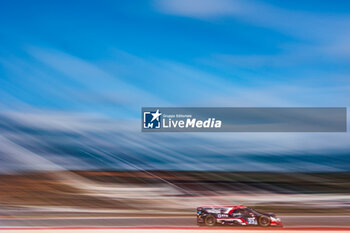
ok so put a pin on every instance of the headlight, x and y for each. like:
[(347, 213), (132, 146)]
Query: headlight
[(275, 219)]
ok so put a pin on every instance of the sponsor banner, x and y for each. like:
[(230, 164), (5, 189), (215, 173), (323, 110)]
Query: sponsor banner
[(160, 119)]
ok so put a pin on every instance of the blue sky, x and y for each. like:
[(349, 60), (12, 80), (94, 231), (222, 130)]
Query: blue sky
[(87, 67)]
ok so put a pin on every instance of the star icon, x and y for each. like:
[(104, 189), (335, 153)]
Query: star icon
[(156, 115)]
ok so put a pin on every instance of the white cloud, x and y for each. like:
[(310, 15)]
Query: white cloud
[(198, 8), (326, 31)]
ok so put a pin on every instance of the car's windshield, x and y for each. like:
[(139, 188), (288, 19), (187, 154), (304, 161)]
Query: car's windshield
[(217, 210), (254, 211)]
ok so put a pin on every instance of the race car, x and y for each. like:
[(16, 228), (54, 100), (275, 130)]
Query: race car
[(235, 215)]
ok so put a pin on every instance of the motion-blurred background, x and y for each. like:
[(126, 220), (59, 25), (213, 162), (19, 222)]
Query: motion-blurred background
[(75, 74)]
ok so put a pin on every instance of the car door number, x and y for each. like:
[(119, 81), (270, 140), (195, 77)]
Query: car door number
[(251, 221)]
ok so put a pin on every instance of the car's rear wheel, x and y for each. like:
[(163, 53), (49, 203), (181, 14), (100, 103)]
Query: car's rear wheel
[(210, 220), (264, 221)]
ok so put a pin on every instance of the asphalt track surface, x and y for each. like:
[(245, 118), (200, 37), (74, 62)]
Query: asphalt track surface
[(288, 221)]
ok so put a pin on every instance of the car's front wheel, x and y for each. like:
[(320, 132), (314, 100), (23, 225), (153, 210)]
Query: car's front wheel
[(264, 221), (210, 220)]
